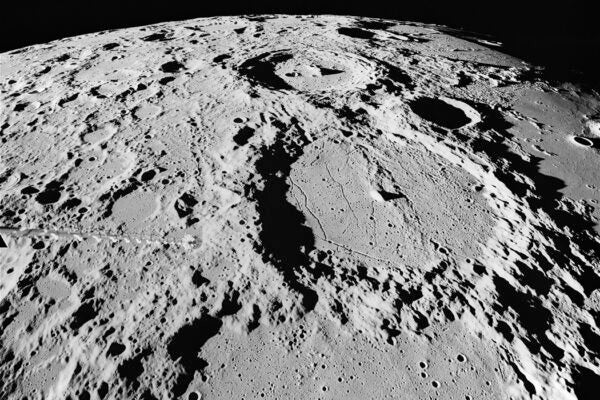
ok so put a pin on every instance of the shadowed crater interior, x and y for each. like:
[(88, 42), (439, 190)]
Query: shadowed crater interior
[(439, 112)]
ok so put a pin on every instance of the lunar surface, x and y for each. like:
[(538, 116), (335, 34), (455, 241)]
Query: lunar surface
[(295, 207)]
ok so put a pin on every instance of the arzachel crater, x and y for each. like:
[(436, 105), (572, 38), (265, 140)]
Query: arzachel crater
[(295, 207)]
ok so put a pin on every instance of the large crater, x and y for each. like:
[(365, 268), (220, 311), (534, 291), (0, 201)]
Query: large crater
[(402, 204)]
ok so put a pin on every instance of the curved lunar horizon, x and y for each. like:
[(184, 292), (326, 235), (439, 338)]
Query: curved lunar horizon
[(295, 207)]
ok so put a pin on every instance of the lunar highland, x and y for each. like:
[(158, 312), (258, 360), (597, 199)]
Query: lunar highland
[(295, 207)]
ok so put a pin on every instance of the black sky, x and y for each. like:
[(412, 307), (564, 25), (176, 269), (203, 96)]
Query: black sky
[(563, 37)]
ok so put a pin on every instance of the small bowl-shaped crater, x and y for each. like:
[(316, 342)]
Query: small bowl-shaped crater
[(582, 141)]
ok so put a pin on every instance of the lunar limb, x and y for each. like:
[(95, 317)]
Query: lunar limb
[(295, 207)]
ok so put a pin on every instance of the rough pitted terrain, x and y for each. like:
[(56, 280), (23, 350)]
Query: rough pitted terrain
[(295, 207)]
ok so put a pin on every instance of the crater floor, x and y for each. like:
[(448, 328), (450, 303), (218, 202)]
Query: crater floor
[(295, 207)]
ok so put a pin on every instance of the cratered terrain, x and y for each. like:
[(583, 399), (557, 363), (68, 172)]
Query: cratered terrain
[(295, 207)]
